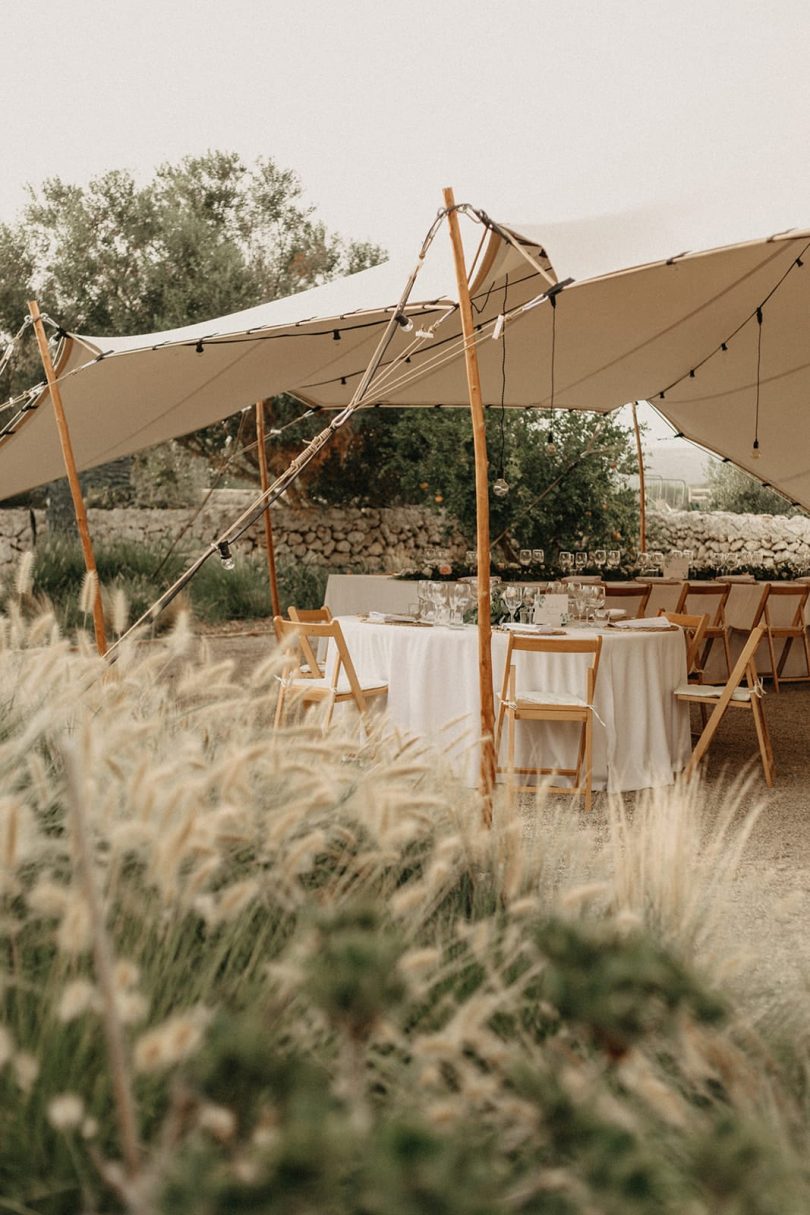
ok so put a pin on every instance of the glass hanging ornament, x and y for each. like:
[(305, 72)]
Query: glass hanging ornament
[(500, 488), (551, 446)]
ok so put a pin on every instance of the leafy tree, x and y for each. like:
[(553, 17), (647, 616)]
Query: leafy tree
[(567, 493), (734, 490)]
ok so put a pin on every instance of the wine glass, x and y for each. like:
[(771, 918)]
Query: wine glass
[(581, 559), (600, 610), (538, 556), (566, 561), (599, 558), (614, 558), (511, 598), (460, 601), (525, 556), (439, 600), (527, 604)]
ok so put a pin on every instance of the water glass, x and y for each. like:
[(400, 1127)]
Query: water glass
[(511, 599)]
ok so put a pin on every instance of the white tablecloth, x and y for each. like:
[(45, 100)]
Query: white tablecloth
[(641, 740)]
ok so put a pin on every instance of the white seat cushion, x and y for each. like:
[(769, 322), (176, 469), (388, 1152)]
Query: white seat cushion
[(710, 691), (552, 698), (323, 683)]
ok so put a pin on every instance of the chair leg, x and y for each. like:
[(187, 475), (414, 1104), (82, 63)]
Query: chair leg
[(703, 743), (330, 708), (783, 657), (806, 651), (510, 762), (727, 652), (774, 672), (764, 740), (588, 762)]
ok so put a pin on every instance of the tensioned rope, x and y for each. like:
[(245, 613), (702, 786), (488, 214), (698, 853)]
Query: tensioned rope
[(262, 503)]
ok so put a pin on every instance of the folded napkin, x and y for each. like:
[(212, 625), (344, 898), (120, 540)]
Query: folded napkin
[(737, 578), (391, 618), (530, 628), (653, 623)]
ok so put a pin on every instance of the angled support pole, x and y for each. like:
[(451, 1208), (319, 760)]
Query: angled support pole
[(72, 475), (268, 526), (487, 778), (642, 489)]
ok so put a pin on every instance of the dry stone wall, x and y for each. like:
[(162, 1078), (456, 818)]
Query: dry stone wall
[(380, 540), (364, 539), (759, 540)]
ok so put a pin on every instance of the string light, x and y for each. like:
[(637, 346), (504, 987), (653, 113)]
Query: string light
[(199, 347), (551, 446), (225, 556), (335, 335), (404, 321), (500, 488)]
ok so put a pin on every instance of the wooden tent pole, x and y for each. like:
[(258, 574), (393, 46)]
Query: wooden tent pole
[(72, 475), (642, 491), (268, 526), (482, 514)]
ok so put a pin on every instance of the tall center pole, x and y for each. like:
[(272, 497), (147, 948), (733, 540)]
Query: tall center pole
[(642, 489), (268, 526), (482, 513), (72, 474)]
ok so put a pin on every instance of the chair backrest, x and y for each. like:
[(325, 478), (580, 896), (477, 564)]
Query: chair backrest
[(694, 628), (711, 596), (786, 591), (640, 591), (296, 633), (744, 668), (553, 645), (321, 615)]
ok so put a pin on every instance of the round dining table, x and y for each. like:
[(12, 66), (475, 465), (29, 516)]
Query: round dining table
[(641, 735)]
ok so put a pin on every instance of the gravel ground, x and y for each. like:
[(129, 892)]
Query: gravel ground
[(771, 905)]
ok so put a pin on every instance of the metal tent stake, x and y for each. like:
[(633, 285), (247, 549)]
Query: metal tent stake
[(487, 779), (72, 475)]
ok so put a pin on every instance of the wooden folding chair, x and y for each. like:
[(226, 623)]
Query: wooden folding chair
[(620, 597), (551, 707), (694, 629), (321, 615), (711, 598), (732, 696), (796, 630), (339, 686)]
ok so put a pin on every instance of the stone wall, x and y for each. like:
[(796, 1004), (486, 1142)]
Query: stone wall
[(388, 540), (759, 540), (367, 539)]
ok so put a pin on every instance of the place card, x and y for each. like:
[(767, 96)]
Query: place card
[(677, 567), (551, 609)]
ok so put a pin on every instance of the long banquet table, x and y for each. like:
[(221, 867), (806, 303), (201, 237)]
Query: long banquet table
[(641, 734)]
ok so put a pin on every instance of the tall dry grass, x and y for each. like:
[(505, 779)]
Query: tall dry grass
[(271, 970)]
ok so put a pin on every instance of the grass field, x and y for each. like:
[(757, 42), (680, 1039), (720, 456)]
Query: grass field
[(269, 971)]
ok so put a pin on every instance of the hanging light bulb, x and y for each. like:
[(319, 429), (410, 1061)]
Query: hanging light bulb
[(755, 450), (404, 321), (500, 488), (225, 557), (551, 446)]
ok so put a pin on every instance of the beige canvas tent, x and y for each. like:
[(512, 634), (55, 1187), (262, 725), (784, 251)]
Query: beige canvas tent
[(683, 333)]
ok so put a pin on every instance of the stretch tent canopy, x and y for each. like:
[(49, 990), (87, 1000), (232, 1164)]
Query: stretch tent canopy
[(715, 340)]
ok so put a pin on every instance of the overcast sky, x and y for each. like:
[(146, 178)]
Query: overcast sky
[(692, 115)]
